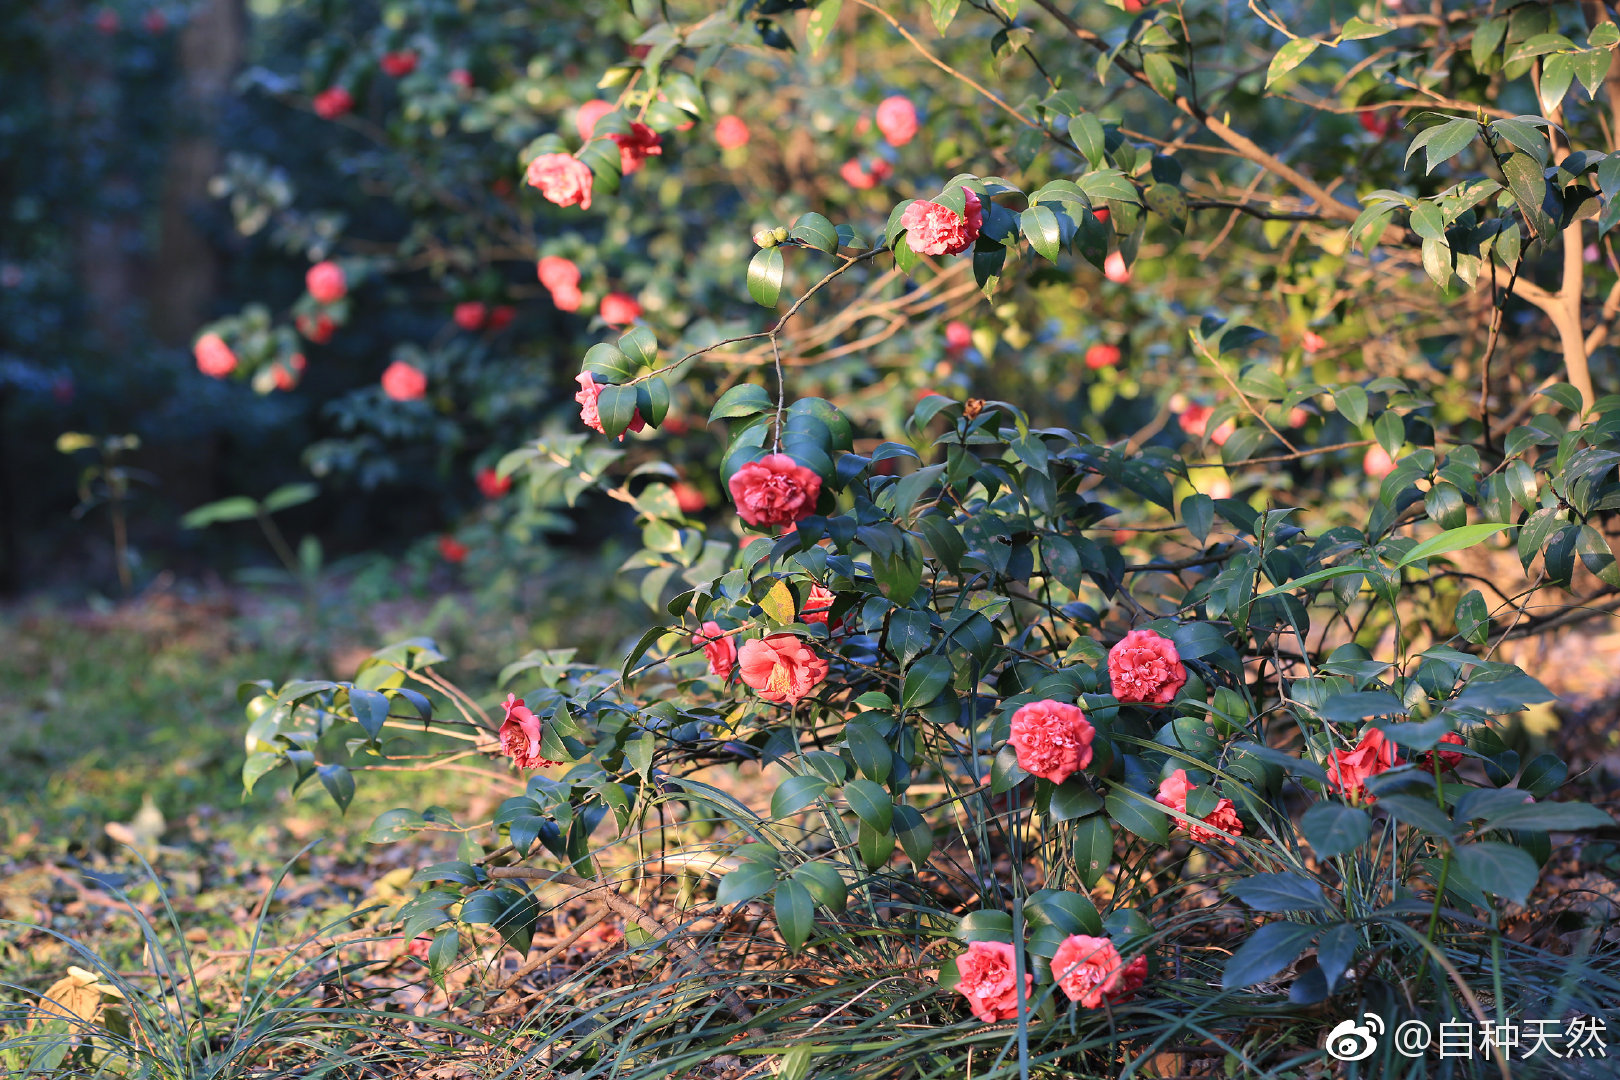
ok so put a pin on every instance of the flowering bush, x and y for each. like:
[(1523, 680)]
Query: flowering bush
[(1023, 762)]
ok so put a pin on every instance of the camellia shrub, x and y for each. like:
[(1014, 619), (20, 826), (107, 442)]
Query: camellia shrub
[(1082, 749)]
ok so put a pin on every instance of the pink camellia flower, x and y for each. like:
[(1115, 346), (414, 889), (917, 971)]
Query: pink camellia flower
[(774, 491), (402, 382), (863, 179), (419, 946), (1377, 462), (333, 102), (781, 667), (492, 484), (567, 298), (107, 22), (1195, 422), (1052, 739), (635, 148), (556, 272), (1349, 770), (1145, 668), (1313, 342), (155, 22), (818, 608), (1102, 355), (1115, 270), (1591, 253), (1449, 759), (214, 358), (317, 328), (987, 971), (562, 179), (326, 283), (587, 116), (590, 413), (1298, 416), (932, 229), (399, 64), (461, 79), (1220, 823), (520, 735), (619, 309), (286, 376), (470, 315), (452, 550), (720, 650), (1090, 971), (897, 120), (688, 498), (501, 316), (731, 133), (958, 336)]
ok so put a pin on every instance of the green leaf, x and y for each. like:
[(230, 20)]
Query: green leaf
[(1529, 188), (617, 407), (825, 884), (749, 881), (1418, 812), (235, 508), (1442, 142), (1590, 68), (1268, 951), (1335, 829), (1040, 228), (765, 276), (608, 364), (795, 913), (1279, 892), (1139, 814), (288, 496), (1359, 29), (1087, 132), (1073, 799), (1198, 514), (916, 836), (1452, 540), (872, 753), (370, 710), (1093, 848), (818, 28), (744, 399), (1289, 57), (812, 228), (985, 925), (778, 603), (943, 11), (925, 679), (1501, 869), (871, 804), (1551, 817), (338, 782), (392, 826), (795, 793), (1472, 618), (1557, 72), (1109, 184)]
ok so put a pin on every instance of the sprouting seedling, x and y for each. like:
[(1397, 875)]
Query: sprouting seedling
[(109, 481)]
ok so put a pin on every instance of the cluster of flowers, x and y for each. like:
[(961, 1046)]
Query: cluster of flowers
[(1089, 971), (327, 285)]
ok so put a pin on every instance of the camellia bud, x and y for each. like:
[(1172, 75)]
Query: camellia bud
[(780, 234), (765, 238)]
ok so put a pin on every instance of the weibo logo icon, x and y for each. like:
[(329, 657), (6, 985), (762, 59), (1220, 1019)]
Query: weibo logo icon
[(1350, 1041)]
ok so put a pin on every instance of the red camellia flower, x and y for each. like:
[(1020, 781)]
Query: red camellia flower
[(720, 650), (1449, 759), (987, 971), (1349, 770), (1222, 822), (635, 148), (419, 946), (862, 179), (520, 735), (587, 116), (402, 382), (470, 315), (452, 550), (818, 608), (1313, 342), (1115, 270), (589, 413), (1089, 971), (1102, 214), (562, 179), (932, 229), (618, 309), (317, 328), (1144, 668), (897, 120), (461, 78), (774, 491), (1102, 355), (333, 102), (501, 316), (214, 358), (286, 375), (107, 21), (155, 22), (1375, 122), (958, 336), (1052, 739), (556, 272), (731, 133), (326, 283), (399, 64), (781, 667), (1377, 462), (687, 497), (493, 484), (567, 298), (1195, 422)]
